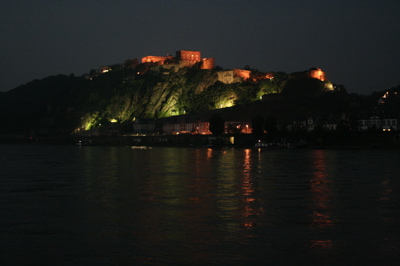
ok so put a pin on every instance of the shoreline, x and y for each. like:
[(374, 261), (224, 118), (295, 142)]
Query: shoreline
[(353, 140)]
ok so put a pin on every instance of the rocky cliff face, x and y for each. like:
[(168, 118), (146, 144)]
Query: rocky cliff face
[(120, 95), (65, 104), (157, 96)]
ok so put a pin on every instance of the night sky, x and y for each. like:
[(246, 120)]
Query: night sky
[(356, 42)]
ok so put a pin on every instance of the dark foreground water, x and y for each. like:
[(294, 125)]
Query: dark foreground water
[(185, 206)]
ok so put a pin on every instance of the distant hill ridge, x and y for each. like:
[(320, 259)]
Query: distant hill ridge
[(124, 92)]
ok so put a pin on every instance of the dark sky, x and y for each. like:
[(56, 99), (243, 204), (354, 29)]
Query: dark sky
[(356, 42)]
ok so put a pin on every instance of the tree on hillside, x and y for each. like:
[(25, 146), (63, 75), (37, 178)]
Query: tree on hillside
[(270, 125), (217, 125), (257, 125)]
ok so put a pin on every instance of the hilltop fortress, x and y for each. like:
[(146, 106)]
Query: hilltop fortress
[(314, 77), (183, 58), (187, 58)]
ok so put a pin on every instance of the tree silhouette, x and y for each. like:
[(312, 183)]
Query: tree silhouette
[(270, 125), (257, 125), (217, 125)]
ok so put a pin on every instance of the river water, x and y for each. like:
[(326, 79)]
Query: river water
[(197, 206)]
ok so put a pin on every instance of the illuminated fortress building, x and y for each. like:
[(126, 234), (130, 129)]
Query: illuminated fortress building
[(183, 58), (156, 60), (317, 73)]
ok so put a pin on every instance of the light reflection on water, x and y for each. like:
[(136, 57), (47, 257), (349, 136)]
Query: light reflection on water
[(117, 206)]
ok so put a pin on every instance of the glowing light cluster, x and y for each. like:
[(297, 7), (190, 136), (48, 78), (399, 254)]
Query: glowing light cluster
[(317, 73)]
